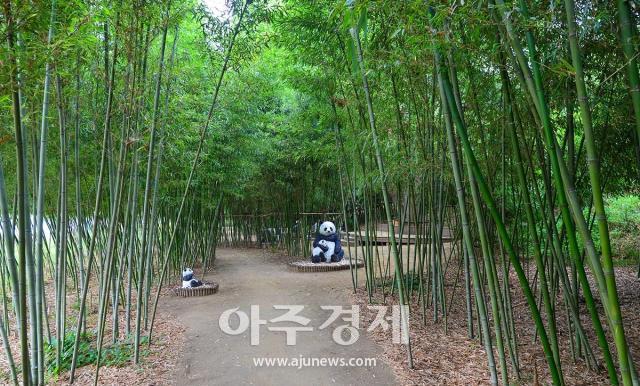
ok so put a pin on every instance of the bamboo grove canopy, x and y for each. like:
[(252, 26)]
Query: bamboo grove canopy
[(135, 133)]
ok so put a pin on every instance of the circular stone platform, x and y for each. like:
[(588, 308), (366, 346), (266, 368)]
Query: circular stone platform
[(204, 290), (307, 266)]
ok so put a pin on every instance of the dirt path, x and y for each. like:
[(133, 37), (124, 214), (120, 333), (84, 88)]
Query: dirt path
[(252, 277)]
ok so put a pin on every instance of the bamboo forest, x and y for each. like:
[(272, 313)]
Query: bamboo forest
[(473, 165)]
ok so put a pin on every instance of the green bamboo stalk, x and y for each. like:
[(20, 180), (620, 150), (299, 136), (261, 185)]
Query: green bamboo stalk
[(145, 260), (342, 194), (203, 134), (154, 206), (604, 275), (80, 223), (627, 35), (489, 201), (9, 261), (594, 174), (21, 193), (96, 211), (383, 177), (107, 274), (457, 175), (489, 268), (62, 227), (9, 246), (132, 241), (533, 234), (38, 351)]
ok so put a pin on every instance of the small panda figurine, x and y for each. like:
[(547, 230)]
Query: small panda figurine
[(330, 248), (326, 246), (188, 280)]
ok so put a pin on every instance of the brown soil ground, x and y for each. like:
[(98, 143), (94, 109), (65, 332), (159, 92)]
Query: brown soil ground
[(452, 358), (256, 277), (189, 347), (157, 360)]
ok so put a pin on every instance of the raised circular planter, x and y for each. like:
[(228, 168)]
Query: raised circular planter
[(307, 266), (204, 290)]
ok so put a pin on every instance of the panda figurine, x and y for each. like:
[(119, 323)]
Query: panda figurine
[(326, 246), (188, 280)]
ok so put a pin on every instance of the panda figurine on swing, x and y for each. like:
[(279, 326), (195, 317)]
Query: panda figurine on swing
[(326, 245)]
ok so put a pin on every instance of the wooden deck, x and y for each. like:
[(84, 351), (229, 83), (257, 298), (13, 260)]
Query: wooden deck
[(382, 238)]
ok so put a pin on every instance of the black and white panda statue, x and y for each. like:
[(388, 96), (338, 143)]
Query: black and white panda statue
[(189, 280), (326, 246)]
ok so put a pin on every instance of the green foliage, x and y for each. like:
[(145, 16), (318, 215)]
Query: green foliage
[(290, 131), (413, 281), (624, 220), (117, 355), (623, 214)]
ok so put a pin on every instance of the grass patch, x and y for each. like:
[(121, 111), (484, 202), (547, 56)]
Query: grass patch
[(411, 281), (625, 263), (117, 355)]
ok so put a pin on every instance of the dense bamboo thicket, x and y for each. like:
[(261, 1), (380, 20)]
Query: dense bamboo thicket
[(483, 142)]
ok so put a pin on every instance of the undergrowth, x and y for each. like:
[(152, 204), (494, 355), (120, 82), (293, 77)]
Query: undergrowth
[(117, 355)]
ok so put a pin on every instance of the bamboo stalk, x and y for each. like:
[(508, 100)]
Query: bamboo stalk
[(21, 189), (394, 248)]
